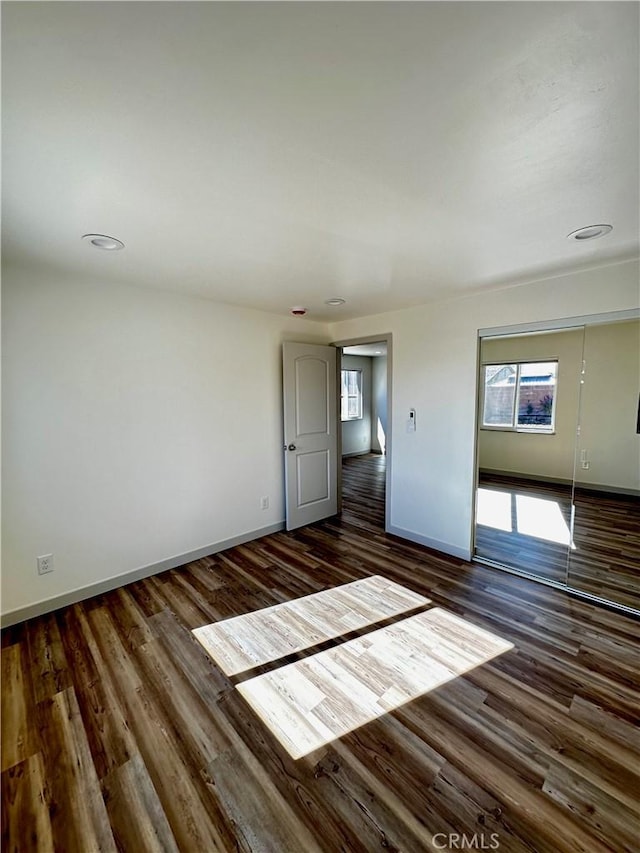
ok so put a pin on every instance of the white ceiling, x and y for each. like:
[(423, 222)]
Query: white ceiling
[(278, 154), (374, 350)]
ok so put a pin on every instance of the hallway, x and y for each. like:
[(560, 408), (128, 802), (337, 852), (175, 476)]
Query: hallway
[(363, 490)]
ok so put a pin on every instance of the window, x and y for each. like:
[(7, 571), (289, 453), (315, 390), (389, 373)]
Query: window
[(520, 396), (351, 395)]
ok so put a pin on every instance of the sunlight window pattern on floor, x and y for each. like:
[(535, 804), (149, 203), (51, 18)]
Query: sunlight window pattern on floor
[(244, 642), (314, 701)]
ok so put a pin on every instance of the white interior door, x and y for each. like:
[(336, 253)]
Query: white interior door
[(310, 433)]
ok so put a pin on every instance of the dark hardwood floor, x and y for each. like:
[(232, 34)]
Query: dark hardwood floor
[(604, 558), (542, 557), (363, 490), (119, 733)]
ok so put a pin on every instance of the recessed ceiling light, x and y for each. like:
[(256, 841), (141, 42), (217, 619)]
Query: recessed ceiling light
[(102, 241), (336, 300), (590, 232)]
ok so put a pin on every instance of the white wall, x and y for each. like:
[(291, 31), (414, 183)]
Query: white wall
[(137, 426), (537, 453), (435, 349), (356, 435), (379, 404)]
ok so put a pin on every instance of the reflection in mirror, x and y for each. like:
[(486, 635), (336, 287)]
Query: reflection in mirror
[(606, 558), (528, 410)]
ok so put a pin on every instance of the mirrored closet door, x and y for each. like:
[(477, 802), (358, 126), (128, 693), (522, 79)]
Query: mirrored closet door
[(604, 559), (527, 423), (558, 448)]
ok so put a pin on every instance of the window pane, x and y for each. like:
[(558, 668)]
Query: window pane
[(499, 394), (343, 396), (536, 394), (351, 395)]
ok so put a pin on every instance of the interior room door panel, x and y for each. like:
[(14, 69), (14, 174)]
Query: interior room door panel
[(310, 432)]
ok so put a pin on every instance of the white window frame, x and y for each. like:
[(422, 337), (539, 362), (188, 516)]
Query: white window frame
[(514, 427), (358, 417)]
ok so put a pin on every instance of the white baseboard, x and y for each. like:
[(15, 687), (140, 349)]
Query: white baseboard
[(436, 544), (38, 608), (592, 487), (538, 478), (611, 490)]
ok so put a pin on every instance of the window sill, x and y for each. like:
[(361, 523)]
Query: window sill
[(520, 430)]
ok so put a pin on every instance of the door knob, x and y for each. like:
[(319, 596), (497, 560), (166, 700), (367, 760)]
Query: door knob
[(291, 447)]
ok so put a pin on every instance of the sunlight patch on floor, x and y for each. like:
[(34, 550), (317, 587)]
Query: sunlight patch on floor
[(253, 639), (541, 518), (382, 438), (311, 702), (493, 509)]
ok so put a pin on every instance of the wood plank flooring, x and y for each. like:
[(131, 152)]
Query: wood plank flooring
[(363, 490), (323, 697), (605, 557), (511, 547), (120, 733), (244, 642)]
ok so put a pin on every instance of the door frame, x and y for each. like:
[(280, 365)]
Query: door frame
[(387, 338)]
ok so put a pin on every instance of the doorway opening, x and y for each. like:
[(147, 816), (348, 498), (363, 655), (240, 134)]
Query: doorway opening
[(365, 440)]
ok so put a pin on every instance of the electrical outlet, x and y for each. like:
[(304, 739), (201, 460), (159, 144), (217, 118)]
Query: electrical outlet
[(264, 503), (45, 564)]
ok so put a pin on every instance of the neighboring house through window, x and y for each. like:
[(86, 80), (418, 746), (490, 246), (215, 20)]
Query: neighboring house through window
[(520, 396)]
